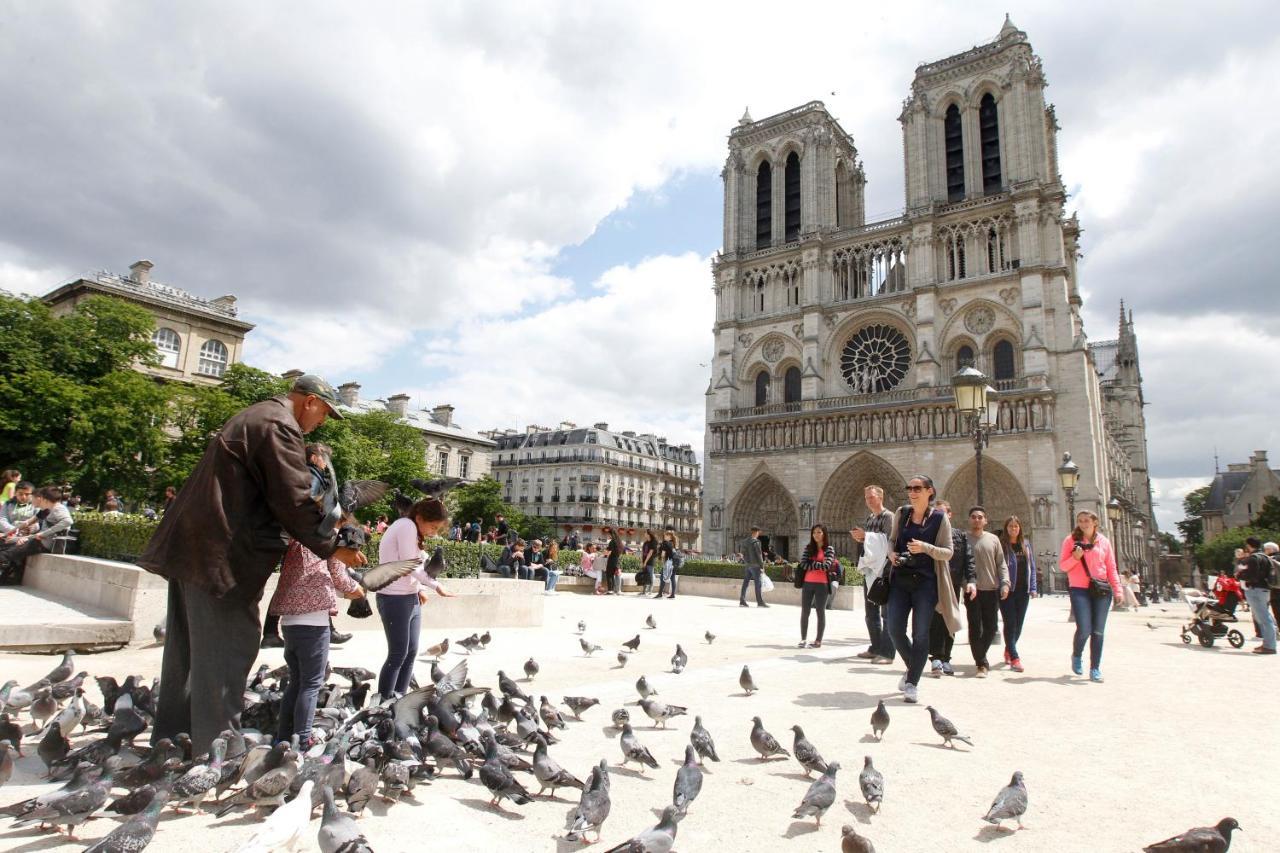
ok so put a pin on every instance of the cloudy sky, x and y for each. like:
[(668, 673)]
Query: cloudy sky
[(511, 206)]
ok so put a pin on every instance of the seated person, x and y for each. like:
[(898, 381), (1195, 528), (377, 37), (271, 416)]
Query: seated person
[(16, 510), (35, 535), (505, 560), (518, 566), (534, 560)]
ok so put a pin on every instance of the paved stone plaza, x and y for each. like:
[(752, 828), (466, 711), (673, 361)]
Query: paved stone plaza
[(1169, 741)]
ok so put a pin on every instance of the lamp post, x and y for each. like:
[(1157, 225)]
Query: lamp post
[(1069, 475), (1114, 511), (1140, 545), (975, 399)]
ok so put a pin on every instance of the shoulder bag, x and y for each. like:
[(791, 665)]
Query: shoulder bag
[(1097, 588)]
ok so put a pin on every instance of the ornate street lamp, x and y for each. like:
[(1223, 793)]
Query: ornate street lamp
[(976, 400), (1113, 511), (1069, 475)]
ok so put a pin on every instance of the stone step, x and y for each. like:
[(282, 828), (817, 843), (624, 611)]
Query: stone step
[(38, 622)]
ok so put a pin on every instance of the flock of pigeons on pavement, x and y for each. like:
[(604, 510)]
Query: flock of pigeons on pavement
[(384, 749)]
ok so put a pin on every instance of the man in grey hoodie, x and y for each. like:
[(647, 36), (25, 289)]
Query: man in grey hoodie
[(752, 567)]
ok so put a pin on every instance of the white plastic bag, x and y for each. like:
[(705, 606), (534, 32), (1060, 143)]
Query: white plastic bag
[(875, 551), (766, 583)]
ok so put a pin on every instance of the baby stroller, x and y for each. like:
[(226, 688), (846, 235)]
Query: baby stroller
[(1209, 622)]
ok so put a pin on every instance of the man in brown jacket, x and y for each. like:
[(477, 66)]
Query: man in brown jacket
[(218, 543)]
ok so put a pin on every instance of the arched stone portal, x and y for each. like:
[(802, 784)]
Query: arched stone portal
[(765, 502), (1003, 495), (842, 505)]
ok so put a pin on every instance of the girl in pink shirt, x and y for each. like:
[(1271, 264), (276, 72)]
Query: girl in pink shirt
[(1086, 554)]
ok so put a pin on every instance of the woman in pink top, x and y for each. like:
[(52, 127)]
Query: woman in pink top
[(1087, 553), (400, 604)]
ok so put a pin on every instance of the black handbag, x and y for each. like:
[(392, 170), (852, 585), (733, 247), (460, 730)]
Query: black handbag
[(1097, 588), (878, 592)]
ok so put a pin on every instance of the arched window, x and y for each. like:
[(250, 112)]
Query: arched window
[(953, 142), (791, 385), (168, 345), (964, 357), (762, 388), (1002, 363), (792, 197), (989, 134), (764, 206), (213, 358)]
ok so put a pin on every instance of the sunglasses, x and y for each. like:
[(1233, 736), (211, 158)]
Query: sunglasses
[(917, 488)]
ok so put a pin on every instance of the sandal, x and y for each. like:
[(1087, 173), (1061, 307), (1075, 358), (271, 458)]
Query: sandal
[(816, 645)]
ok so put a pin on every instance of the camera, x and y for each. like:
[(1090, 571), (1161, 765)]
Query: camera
[(902, 560)]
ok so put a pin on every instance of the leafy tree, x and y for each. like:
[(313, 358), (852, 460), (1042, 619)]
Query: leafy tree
[(1171, 543), (375, 446), (1268, 516), (1218, 554), (479, 500), (1192, 527), (532, 527), (117, 436)]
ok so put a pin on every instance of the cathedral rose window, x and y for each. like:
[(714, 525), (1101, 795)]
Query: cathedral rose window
[(875, 359)]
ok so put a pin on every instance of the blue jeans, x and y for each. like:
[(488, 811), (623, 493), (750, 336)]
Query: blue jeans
[(306, 652), (750, 575), (877, 630), (524, 573), (552, 576), (668, 577), (401, 623), (918, 603), (1258, 600), (1014, 611), (1091, 623)]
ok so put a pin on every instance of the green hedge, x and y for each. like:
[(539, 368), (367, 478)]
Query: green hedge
[(776, 573), (113, 537)]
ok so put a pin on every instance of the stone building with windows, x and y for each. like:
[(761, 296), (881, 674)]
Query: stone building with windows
[(197, 339), (836, 339), (452, 451), (583, 478), (1236, 494)]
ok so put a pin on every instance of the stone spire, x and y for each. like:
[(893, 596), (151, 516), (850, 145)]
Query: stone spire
[(1008, 26), (746, 117)]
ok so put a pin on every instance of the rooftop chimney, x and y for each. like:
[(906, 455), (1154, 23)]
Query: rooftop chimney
[(568, 425), (140, 271), (398, 404), (349, 393), (1259, 458), (1237, 467), (443, 414), (290, 375), (602, 426), (226, 303)]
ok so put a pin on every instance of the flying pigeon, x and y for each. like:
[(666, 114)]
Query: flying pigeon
[(383, 575), (530, 669), (633, 751), (763, 742), (820, 796), (578, 704), (338, 832), (946, 728), (588, 649), (438, 487), (660, 712), (879, 720), (806, 753), (650, 622), (1202, 839), (633, 644), (852, 842), (1011, 802), (746, 682), (679, 660), (701, 741), (688, 781), (659, 839), (872, 784)]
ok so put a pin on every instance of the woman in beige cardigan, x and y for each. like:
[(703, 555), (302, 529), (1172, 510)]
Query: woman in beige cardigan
[(920, 582)]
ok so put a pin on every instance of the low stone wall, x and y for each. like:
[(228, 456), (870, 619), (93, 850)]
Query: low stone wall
[(483, 603), (119, 589), (783, 593)]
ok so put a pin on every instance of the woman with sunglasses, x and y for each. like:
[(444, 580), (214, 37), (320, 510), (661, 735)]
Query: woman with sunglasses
[(1087, 555), (920, 582)]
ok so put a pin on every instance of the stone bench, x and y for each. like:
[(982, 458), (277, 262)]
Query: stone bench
[(120, 590)]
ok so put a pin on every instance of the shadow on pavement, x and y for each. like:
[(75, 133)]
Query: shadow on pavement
[(847, 700)]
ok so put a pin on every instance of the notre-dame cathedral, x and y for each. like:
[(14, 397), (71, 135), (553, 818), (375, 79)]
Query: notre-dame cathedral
[(836, 339)]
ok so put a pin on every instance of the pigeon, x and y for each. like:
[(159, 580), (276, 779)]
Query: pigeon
[(397, 780), (852, 842), (383, 575), (1011, 802), (879, 720), (701, 741), (510, 689), (137, 832), (679, 660), (659, 839), (633, 644), (285, 826), (194, 785), (644, 689), (746, 682), (582, 626), (470, 643), (135, 801), (530, 669), (622, 659), (588, 649), (549, 715), (267, 790), (14, 699), (62, 671), (710, 637), (763, 742), (159, 632), (6, 762), (498, 779), (593, 807), (1202, 839), (633, 751), (946, 728), (355, 674), (660, 712), (72, 806), (688, 781), (43, 706), (12, 732), (444, 750), (438, 650), (54, 746), (338, 831), (820, 796), (1152, 627), (361, 787), (620, 718), (550, 774), (437, 488), (872, 784), (650, 622), (578, 704), (72, 715), (485, 639), (806, 753)]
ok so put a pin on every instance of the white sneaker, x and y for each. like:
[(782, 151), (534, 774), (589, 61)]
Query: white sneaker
[(936, 669), (910, 694), (902, 684)]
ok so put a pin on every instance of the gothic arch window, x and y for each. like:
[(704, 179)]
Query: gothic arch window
[(791, 195), (996, 239), (213, 358), (1003, 364), (764, 206), (964, 357), (954, 248), (758, 296), (762, 388), (876, 358), (989, 136), (953, 143), (791, 385), (168, 346)]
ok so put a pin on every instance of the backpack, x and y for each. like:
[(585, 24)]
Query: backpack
[(677, 560)]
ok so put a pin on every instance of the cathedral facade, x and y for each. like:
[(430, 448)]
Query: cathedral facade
[(836, 339)]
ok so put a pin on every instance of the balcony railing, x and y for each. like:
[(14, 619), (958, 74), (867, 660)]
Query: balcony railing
[(926, 394)]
